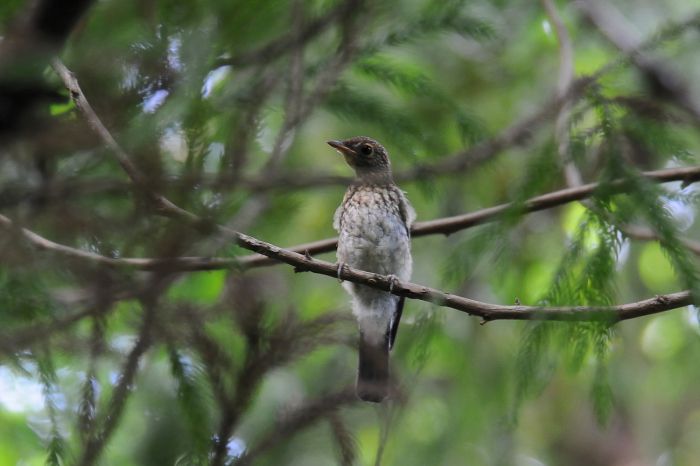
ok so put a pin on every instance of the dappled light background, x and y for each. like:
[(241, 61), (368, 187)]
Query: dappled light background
[(133, 333)]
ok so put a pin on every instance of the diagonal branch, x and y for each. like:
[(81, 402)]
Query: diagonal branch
[(91, 118), (486, 311), (306, 263)]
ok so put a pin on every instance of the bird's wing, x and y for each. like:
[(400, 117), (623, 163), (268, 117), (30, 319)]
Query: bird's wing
[(408, 214), (336, 217)]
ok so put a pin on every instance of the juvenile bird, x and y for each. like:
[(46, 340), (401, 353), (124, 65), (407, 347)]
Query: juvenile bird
[(374, 225)]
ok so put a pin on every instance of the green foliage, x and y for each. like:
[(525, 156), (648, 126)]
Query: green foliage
[(191, 394), (225, 106), (368, 110), (56, 444), (585, 278), (494, 240), (23, 298)]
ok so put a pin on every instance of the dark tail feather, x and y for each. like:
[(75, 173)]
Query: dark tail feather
[(395, 322), (373, 370)]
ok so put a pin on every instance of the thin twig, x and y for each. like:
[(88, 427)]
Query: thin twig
[(178, 264)]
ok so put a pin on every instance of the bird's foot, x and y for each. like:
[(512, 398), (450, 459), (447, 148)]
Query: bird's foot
[(394, 281), (341, 266)]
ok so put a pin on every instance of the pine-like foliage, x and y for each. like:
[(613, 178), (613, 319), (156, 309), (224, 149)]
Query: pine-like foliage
[(138, 327)]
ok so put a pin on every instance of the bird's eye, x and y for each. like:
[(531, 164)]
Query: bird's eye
[(366, 149)]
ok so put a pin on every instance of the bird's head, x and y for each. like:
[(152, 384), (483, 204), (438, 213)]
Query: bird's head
[(366, 156)]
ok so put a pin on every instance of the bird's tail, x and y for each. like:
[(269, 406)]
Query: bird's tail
[(373, 369)]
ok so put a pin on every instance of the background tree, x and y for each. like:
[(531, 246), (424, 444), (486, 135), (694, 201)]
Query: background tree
[(548, 149)]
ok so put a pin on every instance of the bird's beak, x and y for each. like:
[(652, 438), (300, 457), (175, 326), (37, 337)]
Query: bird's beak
[(348, 154), (337, 145)]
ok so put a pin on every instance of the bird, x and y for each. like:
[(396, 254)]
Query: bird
[(374, 227)]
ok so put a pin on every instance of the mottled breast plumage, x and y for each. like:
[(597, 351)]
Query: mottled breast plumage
[(374, 225)]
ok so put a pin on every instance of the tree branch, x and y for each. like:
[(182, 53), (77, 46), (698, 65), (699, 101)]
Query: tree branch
[(646, 234), (180, 264), (516, 134), (456, 164), (486, 311)]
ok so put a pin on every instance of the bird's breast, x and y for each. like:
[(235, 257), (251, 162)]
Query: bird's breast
[(372, 233)]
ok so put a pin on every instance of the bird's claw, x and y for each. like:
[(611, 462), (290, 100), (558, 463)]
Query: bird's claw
[(341, 265), (394, 281)]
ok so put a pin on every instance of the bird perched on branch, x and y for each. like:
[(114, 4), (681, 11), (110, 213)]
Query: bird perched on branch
[(374, 225)]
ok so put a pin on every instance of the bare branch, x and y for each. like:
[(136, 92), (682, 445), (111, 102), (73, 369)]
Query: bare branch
[(566, 48), (180, 264), (486, 311)]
